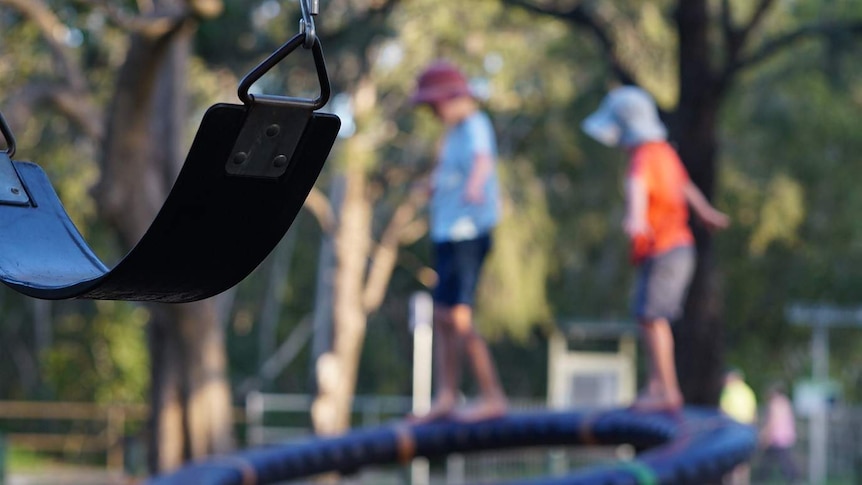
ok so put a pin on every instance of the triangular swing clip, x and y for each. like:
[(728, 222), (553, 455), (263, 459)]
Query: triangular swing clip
[(274, 124)]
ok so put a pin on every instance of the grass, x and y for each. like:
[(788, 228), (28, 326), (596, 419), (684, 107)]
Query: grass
[(18, 459)]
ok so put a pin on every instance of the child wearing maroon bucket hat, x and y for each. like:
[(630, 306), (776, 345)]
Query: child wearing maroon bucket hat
[(463, 209), (440, 81)]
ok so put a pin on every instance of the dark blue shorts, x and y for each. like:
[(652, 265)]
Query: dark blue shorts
[(662, 284), (458, 266)]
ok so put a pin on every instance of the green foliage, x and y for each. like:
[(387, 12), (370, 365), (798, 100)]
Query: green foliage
[(789, 145), (28, 74), (24, 460), (513, 287), (102, 358), (780, 215)]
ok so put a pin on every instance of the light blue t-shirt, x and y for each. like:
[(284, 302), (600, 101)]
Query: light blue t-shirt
[(452, 217)]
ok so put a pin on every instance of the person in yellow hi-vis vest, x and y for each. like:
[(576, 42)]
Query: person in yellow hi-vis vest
[(739, 402)]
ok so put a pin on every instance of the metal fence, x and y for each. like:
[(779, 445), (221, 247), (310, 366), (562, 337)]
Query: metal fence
[(844, 445), (272, 418), (86, 429)]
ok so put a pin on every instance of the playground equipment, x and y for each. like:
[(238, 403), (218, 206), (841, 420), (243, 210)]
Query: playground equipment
[(693, 446), (246, 176)]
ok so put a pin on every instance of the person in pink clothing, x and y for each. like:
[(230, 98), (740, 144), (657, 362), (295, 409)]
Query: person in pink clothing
[(778, 436)]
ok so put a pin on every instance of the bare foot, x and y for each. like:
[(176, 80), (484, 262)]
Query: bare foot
[(482, 410), (652, 402), (441, 409)]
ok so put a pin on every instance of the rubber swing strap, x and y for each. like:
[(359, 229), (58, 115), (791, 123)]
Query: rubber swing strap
[(246, 177)]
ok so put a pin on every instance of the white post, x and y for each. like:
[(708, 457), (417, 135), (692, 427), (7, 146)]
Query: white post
[(421, 318), (456, 469), (421, 323), (254, 409), (818, 423)]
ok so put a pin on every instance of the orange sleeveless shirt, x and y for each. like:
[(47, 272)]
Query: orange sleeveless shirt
[(658, 167)]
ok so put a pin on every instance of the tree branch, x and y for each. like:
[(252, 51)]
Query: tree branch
[(149, 25), (386, 253), (727, 28), (778, 44), (580, 15), (281, 358), (51, 28), (319, 206), (79, 109), (378, 12), (756, 19), (72, 96), (736, 37)]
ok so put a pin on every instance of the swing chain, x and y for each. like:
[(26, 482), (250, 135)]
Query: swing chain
[(309, 8)]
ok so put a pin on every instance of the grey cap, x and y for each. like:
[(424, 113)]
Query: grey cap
[(627, 117)]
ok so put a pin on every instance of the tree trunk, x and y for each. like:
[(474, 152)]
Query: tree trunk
[(191, 406), (338, 368), (700, 337), (191, 415), (323, 300), (360, 270), (166, 440), (273, 296)]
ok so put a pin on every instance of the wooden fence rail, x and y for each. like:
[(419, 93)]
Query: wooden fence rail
[(108, 439)]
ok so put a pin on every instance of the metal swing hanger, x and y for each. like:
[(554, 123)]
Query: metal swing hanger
[(310, 8), (245, 178)]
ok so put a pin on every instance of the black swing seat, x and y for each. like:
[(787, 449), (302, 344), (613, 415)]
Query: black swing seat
[(246, 177)]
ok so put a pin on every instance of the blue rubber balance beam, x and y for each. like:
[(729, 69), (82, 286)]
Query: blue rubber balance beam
[(693, 446)]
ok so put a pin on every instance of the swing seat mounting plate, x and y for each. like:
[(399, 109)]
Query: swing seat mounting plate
[(268, 141)]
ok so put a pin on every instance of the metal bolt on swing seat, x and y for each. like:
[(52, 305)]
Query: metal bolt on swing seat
[(240, 158), (279, 161), (272, 130)]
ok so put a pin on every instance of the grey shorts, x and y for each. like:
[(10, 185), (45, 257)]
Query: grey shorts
[(662, 284)]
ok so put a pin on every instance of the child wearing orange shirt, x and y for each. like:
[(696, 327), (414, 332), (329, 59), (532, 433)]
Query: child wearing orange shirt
[(658, 194)]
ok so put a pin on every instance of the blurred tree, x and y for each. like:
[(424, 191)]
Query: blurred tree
[(105, 362), (142, 154), (802, 155)]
